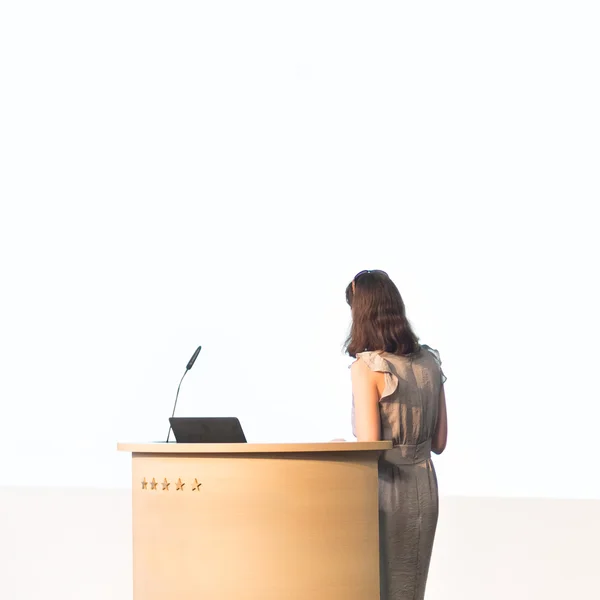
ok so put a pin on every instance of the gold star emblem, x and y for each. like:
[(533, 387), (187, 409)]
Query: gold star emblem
[(144, 484), (196, 486), (153, 484), (165, 485), (179, 485)]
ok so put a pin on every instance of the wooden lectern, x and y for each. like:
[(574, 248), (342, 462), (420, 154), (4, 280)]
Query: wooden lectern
[(255, 521)]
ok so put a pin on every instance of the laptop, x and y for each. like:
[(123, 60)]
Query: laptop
[(207, 430)]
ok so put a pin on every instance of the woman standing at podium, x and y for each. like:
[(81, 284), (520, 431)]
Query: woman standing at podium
[(398, 395)]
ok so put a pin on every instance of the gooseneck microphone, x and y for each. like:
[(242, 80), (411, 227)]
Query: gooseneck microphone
[(188, 367), (193, 359)]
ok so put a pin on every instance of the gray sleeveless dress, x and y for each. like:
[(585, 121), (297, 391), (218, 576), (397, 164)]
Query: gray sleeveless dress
[(408, 493)]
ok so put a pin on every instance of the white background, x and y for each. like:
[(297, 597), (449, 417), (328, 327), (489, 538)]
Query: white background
[(184, 173)]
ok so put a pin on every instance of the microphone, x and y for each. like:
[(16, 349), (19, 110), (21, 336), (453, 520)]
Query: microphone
[(193, 359), (188, 367)]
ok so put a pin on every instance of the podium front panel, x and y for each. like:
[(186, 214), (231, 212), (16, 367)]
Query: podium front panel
[(274, 526)]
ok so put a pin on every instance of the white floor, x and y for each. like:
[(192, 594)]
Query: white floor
[(74, 544)]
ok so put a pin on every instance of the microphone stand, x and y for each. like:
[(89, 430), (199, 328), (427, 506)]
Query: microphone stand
[(188, 367), (175, 406)]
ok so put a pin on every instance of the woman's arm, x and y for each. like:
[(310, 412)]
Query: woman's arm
[(366, 402), (440, 436)]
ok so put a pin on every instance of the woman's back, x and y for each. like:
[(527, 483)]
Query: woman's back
[(409, 404)]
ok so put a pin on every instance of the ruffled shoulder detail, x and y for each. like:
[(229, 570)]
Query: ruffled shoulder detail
[(379, 364), (438, 360)]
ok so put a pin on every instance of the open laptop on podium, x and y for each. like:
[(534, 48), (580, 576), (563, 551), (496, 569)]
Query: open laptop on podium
[(207, 430)]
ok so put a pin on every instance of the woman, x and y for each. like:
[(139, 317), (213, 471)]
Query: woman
[(398, 395)]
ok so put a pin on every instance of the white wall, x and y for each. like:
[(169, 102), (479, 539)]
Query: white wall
[(215, 173)]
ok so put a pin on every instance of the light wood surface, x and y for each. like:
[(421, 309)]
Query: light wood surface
[(278, 522), (174, 448)]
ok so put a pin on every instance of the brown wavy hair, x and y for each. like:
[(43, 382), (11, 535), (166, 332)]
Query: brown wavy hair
[(379, 320)]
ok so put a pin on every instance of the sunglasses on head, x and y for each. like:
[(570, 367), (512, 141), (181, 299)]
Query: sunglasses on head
[(368, 271)]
